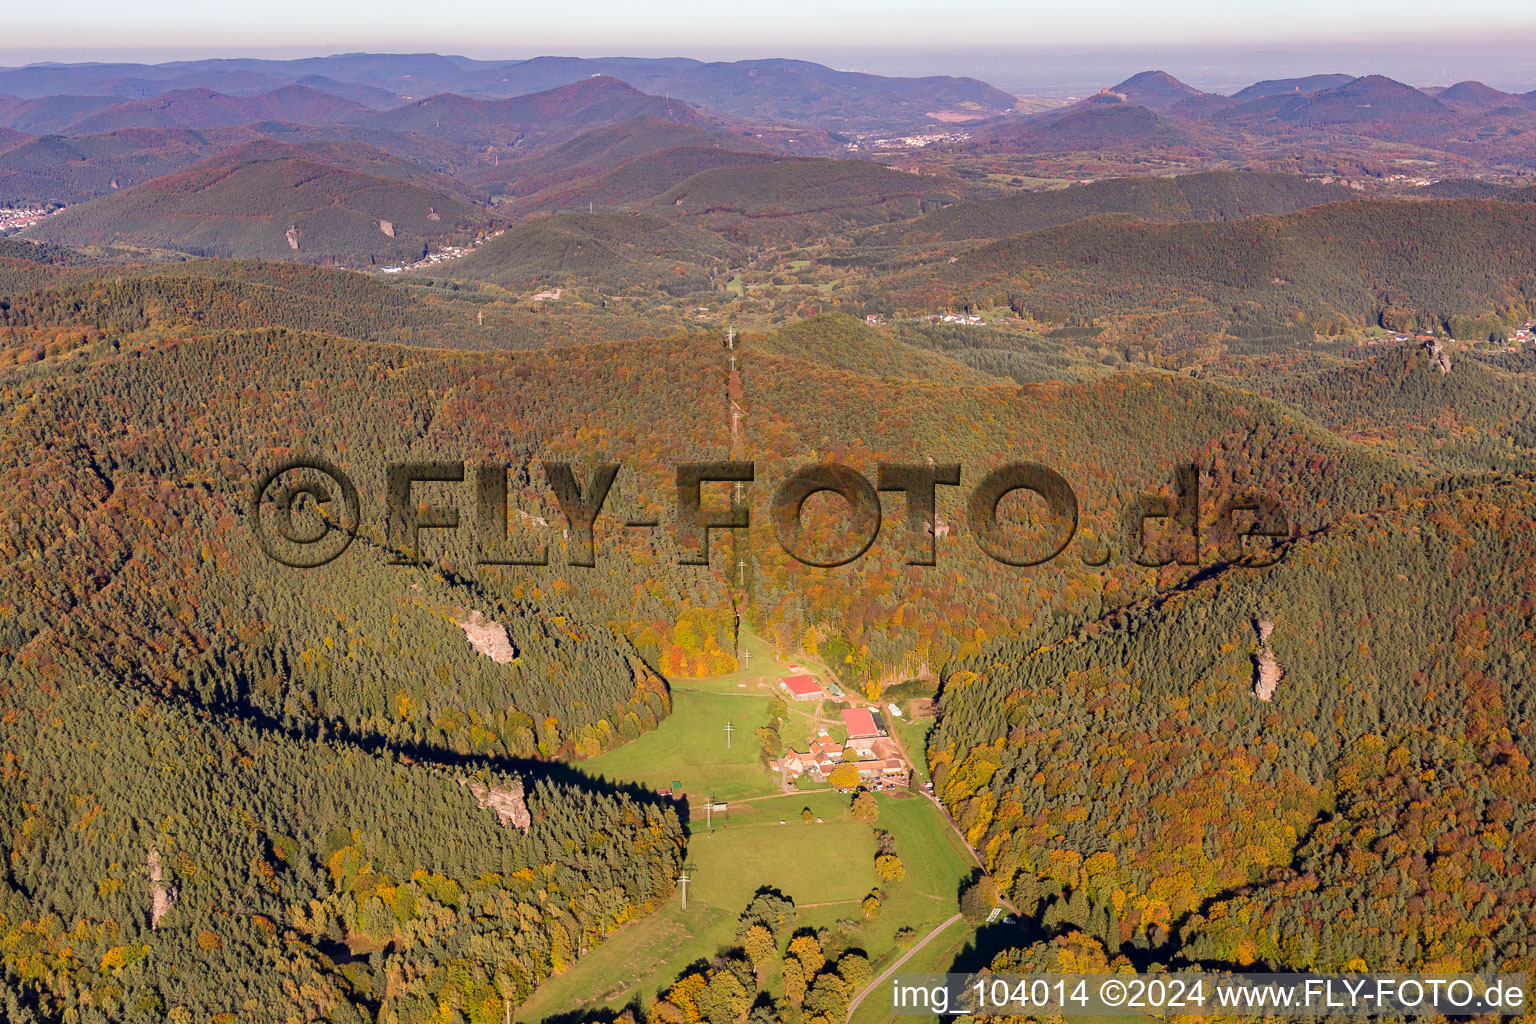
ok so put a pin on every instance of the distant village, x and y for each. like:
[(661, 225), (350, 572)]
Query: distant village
[(25, 217), (965, 319), (444, 255), (906, 141), (1523, 335)]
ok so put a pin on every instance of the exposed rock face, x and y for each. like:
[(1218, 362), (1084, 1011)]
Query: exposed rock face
[(489, 637), (387, 227), (1267, 672), (432, 214), (507, 801), (161, 899), (292, 234), (1438, 356)]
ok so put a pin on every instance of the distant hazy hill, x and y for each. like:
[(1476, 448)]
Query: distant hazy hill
[(1289, 86), (204, 108), (551, 116), (770, 90), (1103, 122), (1372, 98), (1155, 90), (48, 113), (776, 89), (1217, 195), (73, 168), (69, 170), (1477, 96), (275, 202)]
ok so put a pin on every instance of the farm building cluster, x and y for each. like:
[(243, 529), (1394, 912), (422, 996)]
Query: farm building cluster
[(868, 749)]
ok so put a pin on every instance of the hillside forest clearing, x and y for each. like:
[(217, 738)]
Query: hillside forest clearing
[(762, 840)]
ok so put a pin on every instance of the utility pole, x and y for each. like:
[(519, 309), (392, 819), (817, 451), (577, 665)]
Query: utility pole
[(741, 573), (747, 657), (729, 728), (683, 881), (730, 339)]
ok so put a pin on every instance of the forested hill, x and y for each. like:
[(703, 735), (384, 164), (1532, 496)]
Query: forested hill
[(1129, 787), (1469, 418), (1404, 264), (219, 761), (1216, 195), (274, 202)]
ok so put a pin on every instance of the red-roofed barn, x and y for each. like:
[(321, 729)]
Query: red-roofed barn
[(801, 687)]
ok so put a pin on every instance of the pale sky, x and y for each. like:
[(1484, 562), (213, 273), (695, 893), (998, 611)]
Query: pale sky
[(721, 29)]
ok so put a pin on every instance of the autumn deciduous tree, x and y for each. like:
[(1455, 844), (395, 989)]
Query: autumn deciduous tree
[(978, 899), (760, 946), (865, 809), (807, 950), (845, 776)]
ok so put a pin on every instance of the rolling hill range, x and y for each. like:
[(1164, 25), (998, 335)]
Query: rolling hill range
[(773, 90), (1339, 124), (204, 108), (762, 90), (1346, 263), (71, 169), (276, 202), (1217, 195), (53, 168), (38, 115), (543, 118)]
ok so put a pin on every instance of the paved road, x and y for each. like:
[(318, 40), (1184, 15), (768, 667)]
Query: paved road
[(853, 1006)]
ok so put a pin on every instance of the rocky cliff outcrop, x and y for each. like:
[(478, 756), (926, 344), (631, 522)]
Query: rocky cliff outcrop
[(1267, 671), (489, 637), (1438, 356), (505, 799)]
